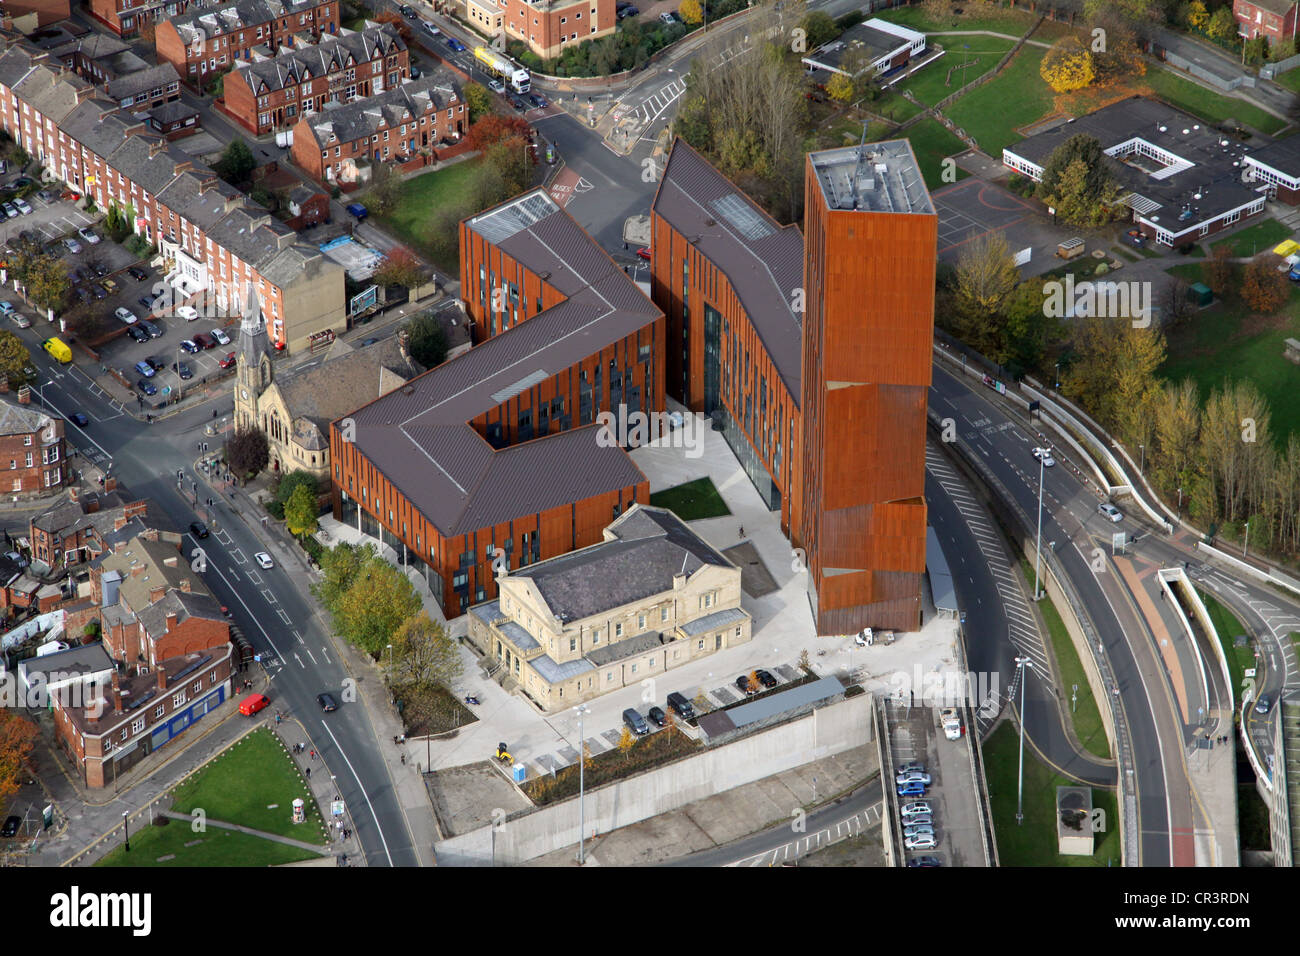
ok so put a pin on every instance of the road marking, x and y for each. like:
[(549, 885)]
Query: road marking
[(285, 617), (355, 776)]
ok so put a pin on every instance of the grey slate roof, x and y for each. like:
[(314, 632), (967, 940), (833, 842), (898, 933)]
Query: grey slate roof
[(762, 259), (711, 622), (171, 112), (649, 546), (215, 19), (83, 659), (181, 603), (393, 107), (521, 638), (18, 419), (553, 673), (418, 436), (622, 650), (145, 81), (330, 55), (332, 388), (1283, 155)]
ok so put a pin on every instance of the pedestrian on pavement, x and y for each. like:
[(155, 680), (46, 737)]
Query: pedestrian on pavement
[(309, 773), (403, 760), (313, 755)]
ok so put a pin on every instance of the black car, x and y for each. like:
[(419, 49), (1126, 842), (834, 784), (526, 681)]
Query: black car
[(145, 302), (517, 103), (83, 294), (184, 371), (746, 685), (101, 270), (408, 12), (764, 678), (137, 333), (656, 716), (146, 386), (11, 826), (98, 291), (924, 861), (136, 273), (198, 529), (79, 418), (327, 702), (369, 342), (155, 364), (155, 331), (628, 11), (536, 100)]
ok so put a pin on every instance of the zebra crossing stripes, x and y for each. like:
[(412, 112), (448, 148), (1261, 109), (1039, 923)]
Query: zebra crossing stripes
[(1021, 623)]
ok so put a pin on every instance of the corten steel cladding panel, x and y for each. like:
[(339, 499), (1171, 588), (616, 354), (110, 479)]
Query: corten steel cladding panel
[(476, 251)]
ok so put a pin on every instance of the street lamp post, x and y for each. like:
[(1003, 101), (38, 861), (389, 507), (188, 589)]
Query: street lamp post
[(1021, 664), (1058, 376), (1038, 538), (1142, 463), (126, 832), (1245, 546), (581, 710)]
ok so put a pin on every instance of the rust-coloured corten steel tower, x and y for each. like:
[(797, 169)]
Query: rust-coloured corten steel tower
[(870, 235)]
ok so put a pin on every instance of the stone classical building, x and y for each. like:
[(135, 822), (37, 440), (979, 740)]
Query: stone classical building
[(652, 596), (295, 409)]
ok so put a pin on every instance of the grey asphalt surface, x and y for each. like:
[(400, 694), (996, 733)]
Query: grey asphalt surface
[(1161, 790)]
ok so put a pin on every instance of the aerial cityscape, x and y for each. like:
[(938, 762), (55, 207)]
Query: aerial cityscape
[(713, 433)]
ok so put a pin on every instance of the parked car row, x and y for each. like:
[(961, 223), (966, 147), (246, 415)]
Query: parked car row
[(677, 703), (912, 780)]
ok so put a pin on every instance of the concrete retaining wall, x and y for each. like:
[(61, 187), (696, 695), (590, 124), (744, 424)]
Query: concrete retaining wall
[(823, 733)]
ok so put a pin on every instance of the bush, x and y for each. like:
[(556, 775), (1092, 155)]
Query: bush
[(138, 246), (314, 549), (275, 509)]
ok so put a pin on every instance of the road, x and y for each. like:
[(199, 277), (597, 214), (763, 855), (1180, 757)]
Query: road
[(273, 607), (1163, 796)]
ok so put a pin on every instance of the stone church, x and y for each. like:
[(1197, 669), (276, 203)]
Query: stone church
[(295, 406)]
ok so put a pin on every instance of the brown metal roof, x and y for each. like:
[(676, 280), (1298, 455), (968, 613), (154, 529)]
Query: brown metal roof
[(762, 259), (418, 436)]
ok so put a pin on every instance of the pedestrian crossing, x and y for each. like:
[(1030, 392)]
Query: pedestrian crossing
[(1022, 625)]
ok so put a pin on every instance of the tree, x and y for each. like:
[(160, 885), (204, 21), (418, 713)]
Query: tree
[(1114, 373), (1134, 11), (1196, 16), (692, 12), (1219, 270), (983, 281), (1177, 428), (300, 512), (83, 322), (840, 88), (237, 163), (1234, 444), (248, 451), (424, 654), (1067, 66), (385, 190), (1223, 25), (495, 127), (1174, 303), (625, 743), (339, 568), (1027, 329), (1089, 181), (428, 340), (47, 282), (1263, 287), (375, 606), (17, 739), (401, 267), (478, 101), (14, 357), (291, 481), (939, 12), (512, 161)]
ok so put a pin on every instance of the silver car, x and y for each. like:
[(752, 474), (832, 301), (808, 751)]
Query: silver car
[(912, 831), (914, 776), (915, 808), (1110, 511)]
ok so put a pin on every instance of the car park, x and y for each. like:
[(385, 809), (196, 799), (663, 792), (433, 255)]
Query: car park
[(919, 820), (145, 302), (189, 346), (765, 678), (922, 841), (125, 315), (327, 702), (72, 245), (20, 320), (111, 285), (1045, 456), (198, 529), (913, 788), (137, 333), (184, 371), (146, 386), (187, 312), (220, 337), (146, 369), (496, 86), (1110, 511), (912, 809), (47, 195), (24, 206), (136, 273), (228, 361), (79, 419), (657, 716), (746, 685), (455, 44), (88, 234), (11, 826), (98, 291), (100, 270)]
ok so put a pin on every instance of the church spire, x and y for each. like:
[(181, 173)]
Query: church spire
[(254, 345)]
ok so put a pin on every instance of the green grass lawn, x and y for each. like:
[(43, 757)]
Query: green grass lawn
[(1087, 719), (1011, 22), (1209, 105), (1124, 253), (1226, 342), (932, 143), (892, 106), (214, 847), (1228, 626), (1014, 98), (1033, 843), (933, 83), (1290, 79), (1252, 240), (422, 196), (695, 499), (254, 784)]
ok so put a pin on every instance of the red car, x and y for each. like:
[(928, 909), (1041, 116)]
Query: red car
[(644, 253), (228, 361), (202, 341)]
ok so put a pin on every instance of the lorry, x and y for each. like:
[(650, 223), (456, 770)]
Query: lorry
[(501, 65), (951, 723)]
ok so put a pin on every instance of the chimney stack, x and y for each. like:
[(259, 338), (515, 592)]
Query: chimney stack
[(162, 680), (117, 694), (156, 594), (185, 585), (74, 494), (171, 622), (110, 483)]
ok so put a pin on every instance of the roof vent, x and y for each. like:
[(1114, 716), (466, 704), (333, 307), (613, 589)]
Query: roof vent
[(408, 390)]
